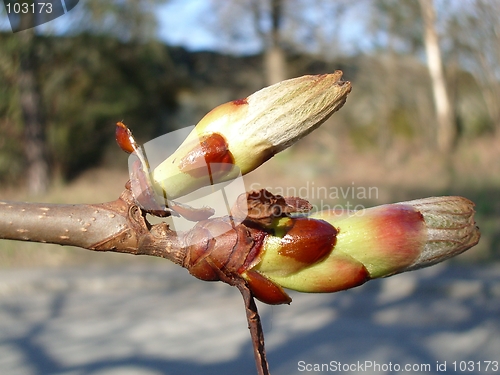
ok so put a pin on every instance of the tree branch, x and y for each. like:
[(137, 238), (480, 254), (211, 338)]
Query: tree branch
[(117, 226)]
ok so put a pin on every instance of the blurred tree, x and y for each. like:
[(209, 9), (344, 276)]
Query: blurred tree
[(82, 84), (475, 34), (264, 20), (281, 27), (393, 72), (90, 82), (127, 20), (35, 147), (275, 59), (11, 123), (445, 120)]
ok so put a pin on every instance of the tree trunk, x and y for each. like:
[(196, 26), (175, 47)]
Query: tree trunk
[(275, 65), (446, 131), (275, 59), (35, 146)]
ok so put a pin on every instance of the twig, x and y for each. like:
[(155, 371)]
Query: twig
[(117, 226), (255, 328)]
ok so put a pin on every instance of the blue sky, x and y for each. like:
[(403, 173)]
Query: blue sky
[(186, 23), (181, 23)]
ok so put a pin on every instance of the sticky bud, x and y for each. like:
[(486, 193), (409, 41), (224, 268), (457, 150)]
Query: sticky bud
[(371, 243), (243, 134)]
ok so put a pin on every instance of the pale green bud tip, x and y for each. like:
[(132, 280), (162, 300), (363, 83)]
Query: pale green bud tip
[(451, 228)]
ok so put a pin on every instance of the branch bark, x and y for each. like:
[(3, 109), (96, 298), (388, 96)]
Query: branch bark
[(117, 226)]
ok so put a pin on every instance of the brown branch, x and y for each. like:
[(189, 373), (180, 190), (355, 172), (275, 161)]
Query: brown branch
[(117, 226), (253, 319), (255, 327)]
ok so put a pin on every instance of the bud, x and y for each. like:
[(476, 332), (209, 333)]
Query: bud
[(336, 250), (239, 136)]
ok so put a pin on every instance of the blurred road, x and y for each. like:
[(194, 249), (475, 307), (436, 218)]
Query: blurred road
[(157, 319)]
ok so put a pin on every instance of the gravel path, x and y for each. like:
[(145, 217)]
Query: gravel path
[(156, 319)]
